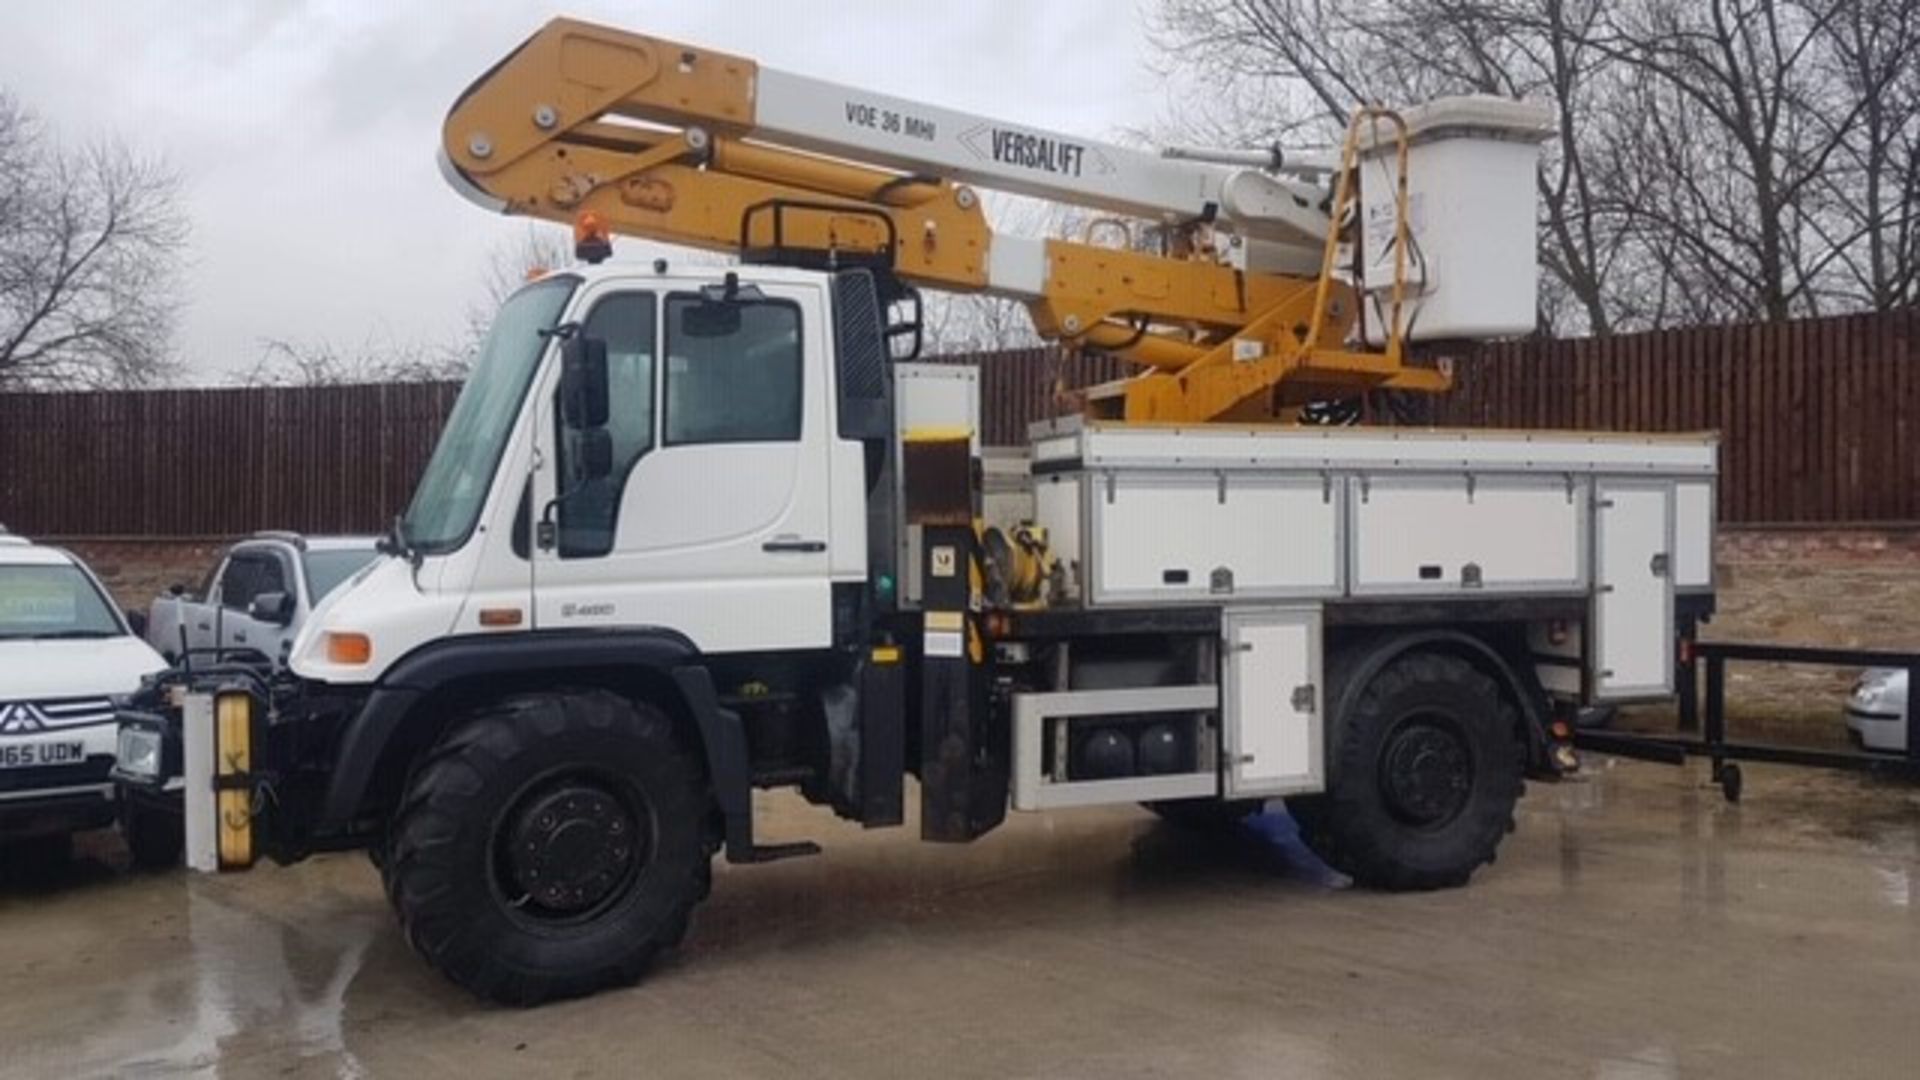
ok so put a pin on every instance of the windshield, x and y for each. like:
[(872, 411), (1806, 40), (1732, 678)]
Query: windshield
[(49, 602), (447, 503), (327, 569)]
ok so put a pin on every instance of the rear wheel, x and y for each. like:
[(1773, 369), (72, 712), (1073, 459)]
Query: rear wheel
[(551, 846), (1423, 778)]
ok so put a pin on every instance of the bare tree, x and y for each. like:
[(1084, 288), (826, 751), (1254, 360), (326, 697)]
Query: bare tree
[(1715, 159), (1873, 181), (509, 265), (1739, 122), (309, 363), (90, 247), (1307, 64), (975, 322)]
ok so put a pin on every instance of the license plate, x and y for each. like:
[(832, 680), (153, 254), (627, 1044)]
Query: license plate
[(33, 755)]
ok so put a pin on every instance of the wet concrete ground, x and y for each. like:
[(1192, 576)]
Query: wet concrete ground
[(1635, 926)]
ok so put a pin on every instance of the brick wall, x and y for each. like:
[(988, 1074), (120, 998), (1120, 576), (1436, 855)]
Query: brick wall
[(1854, 587), (1851, 588)]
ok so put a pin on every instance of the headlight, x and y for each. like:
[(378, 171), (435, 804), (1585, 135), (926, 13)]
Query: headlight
[(1872, 687), (139, 753)]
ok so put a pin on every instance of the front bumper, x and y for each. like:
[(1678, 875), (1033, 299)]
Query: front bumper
[(1881, 731), (66, 808), (244, 757)]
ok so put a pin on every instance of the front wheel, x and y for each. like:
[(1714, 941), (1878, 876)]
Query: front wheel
[(550, 846), (1423, 777)]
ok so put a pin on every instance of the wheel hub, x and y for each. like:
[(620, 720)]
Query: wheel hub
[(569, 847), (1426, 773)]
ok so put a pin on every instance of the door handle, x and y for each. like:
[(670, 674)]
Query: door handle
[(806, 547)]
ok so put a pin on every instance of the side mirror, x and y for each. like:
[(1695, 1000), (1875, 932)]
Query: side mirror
[(593, 450), (176, 589), (272, 607), (710, 319), (137, 622), (583, 382)]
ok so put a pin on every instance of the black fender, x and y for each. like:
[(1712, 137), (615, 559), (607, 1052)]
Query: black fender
[(369, 738), (1354, 664)]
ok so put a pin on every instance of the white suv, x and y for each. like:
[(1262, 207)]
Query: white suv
[(65, 652)]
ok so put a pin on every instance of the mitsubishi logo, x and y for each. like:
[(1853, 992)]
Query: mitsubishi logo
[(21, 718)]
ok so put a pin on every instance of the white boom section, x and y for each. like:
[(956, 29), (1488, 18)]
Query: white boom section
[(872, 128)]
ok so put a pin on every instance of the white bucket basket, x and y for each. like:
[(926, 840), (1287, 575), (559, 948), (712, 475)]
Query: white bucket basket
[(1471, 268)]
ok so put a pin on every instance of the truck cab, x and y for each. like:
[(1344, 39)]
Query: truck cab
[(705, 488)]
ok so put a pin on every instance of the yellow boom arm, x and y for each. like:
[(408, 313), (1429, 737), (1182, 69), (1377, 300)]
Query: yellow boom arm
[(701, 148)]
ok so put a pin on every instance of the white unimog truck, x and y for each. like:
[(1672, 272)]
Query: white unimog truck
[(689, 534)]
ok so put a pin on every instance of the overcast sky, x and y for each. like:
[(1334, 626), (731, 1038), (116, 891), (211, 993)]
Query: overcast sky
[(305, 132)]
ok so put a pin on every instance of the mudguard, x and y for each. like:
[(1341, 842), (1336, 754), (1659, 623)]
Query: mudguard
[(365, 762)]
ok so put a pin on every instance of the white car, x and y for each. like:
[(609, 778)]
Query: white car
[(65, 653), (1877, 710)]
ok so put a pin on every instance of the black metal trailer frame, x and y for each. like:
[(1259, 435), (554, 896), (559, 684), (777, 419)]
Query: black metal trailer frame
[(1711, 722)]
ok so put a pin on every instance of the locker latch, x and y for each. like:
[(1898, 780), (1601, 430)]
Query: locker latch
[(1658, 564), (1303, 698)]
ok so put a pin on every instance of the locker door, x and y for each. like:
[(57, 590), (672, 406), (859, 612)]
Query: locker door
[(1272, 724), (1633, 641)]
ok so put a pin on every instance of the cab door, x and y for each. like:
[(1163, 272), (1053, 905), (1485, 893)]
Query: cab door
[(713, 519), (249, 574)]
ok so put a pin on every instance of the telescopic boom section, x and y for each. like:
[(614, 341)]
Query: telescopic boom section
[(701, 148)]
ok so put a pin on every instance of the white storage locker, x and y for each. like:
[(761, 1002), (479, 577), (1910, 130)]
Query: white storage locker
[(1422, 534), (1187, 536), (1633, 638), (1272, 731)]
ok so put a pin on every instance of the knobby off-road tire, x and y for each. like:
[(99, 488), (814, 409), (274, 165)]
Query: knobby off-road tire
[(550, 846), (1423, 778)]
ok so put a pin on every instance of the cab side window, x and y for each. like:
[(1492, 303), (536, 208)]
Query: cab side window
[(733, 371), (248, 574), (590, 509)]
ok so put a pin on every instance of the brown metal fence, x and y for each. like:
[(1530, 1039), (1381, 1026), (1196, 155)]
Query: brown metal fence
[(1819, 418), (214, 462), (1818, 421)]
